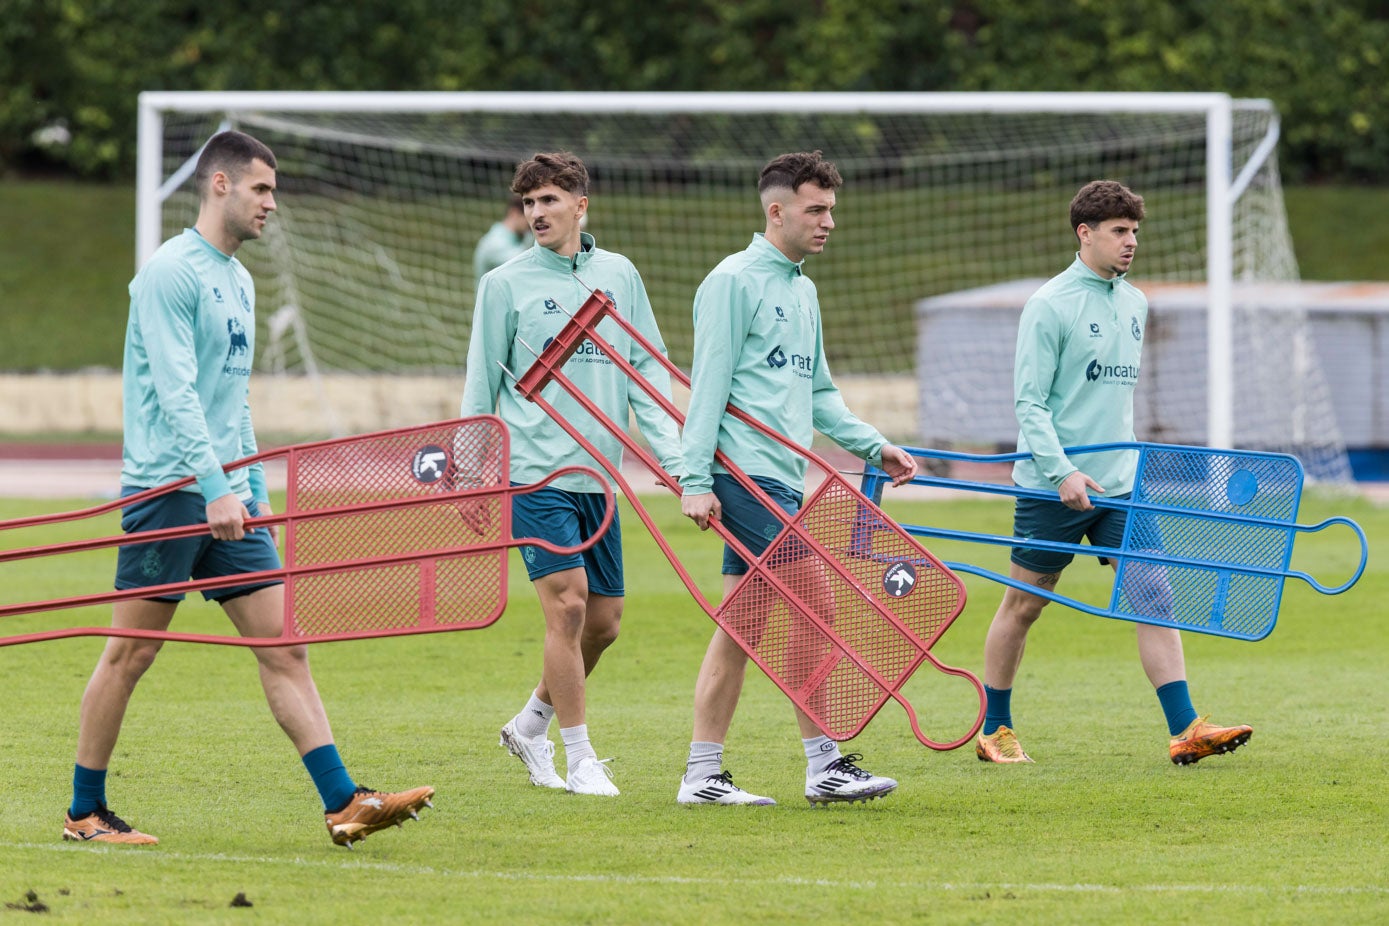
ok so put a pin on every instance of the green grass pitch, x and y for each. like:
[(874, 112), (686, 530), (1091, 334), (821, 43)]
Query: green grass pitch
[(1103, 828)]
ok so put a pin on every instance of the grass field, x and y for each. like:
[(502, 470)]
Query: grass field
[(1103, 828)]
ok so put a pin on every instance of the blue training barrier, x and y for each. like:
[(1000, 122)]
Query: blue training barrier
[(1208, 538)]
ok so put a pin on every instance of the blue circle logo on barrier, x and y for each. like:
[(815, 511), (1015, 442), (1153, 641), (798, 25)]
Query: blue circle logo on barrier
[(1241, 487)]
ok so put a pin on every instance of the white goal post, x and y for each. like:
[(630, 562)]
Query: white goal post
[(384, 195)]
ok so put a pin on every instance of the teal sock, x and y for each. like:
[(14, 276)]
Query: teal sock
[(998, 709), (330, 777), (88, 791), (1176, 704)]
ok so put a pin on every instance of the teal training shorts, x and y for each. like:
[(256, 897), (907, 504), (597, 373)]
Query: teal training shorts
[(165, 562), (1044, 519), (567, 519)]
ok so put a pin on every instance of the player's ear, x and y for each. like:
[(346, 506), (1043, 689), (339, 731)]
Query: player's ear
[(583, 206)]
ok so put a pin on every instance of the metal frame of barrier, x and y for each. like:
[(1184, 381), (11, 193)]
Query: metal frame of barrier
[(1222, 522), (861, 657), (372, 523)]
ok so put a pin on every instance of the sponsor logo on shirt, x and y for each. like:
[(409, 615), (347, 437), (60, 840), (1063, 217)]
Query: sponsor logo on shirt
[(237, 346), (1112, 374), (780, 314), (1095, 331), (1137, 331), (236, 334), (586, 352), (801, 364), (552, 307), (245, 300), (216, 294)]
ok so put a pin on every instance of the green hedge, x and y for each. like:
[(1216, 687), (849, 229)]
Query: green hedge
[(70, 70)]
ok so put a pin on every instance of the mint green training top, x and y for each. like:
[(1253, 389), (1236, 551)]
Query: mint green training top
[(759, 344), (1079, 343), (188, 348), (495, 248), (529, 299)]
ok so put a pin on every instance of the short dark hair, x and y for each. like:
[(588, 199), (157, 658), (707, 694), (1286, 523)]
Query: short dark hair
[(790, 171), (1101, 200), (230, 152), (561, 168), (514, 204)]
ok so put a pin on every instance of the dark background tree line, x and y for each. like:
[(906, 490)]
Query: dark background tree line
[(70, 70)]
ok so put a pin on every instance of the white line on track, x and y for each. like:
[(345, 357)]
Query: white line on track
[(160, 856)]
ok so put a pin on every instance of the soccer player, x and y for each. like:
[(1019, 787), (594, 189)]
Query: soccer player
[(503, 241), (188, 349), (759, 344), (1079, 345), (519, 306)]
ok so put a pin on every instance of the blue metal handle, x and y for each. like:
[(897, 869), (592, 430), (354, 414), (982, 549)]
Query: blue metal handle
[(1359, 570), (1083, 606), (874, 481)]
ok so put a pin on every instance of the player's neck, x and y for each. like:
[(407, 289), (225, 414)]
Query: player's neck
[(570, 246), (1107, 273), (215, 234), (774, 239)]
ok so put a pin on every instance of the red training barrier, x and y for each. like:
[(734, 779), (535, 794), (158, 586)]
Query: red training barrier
[(396, 532), (840, 609)]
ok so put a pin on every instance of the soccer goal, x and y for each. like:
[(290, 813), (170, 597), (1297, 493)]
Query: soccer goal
[(367, 267)]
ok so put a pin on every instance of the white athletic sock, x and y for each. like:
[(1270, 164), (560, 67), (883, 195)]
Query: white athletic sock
[(820, 751), (576, 744), (534, 719), (706, 761)]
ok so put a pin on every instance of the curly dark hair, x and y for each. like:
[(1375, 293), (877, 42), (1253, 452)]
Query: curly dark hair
[(1101, 200), (790, 171), (561, 168)]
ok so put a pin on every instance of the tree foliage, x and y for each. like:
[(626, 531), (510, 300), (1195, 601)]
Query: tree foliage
[(71, 70)]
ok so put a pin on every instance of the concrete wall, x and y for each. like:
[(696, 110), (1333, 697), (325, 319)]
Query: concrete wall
[(300, 408)]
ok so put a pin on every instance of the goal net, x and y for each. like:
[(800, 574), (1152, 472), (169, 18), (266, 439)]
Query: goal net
[(367, 267)]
